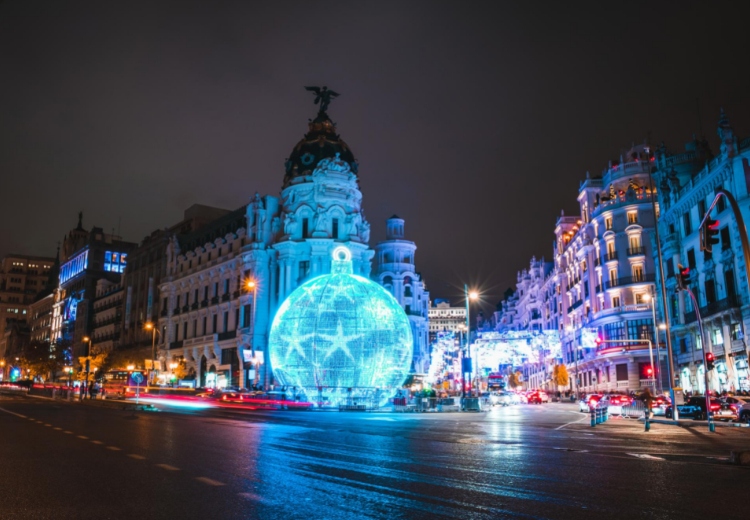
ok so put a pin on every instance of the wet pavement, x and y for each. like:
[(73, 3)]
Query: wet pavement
[(64, 460)]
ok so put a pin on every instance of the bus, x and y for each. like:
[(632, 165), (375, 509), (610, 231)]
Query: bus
[(496, 381)]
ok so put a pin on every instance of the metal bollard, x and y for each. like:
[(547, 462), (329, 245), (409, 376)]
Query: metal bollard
[(593, 417), (647, 422)]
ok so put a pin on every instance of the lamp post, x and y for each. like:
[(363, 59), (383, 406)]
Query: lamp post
[(87, 340), (652, 299), (252, 286), (469, 295), (152, 327)]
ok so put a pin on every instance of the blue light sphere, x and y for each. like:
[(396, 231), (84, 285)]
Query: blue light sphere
[(341, 339)]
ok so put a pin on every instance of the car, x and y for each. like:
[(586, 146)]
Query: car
[(588, 402), (695, 408), (741, 407), (538, 397), (660, 404), (615, 402)]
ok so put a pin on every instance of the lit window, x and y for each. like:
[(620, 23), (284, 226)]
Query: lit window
[(633, 217)]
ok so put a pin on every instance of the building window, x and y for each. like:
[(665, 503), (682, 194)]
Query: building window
[(638, 273), (687, 223), (691, 258), (305, 227), (226, 322), (213, 323), (726, 242), (633, 217), (736, 331), (608, 223), (698, 343), (638, 298), (718, 337), (184, 330), (335, 228), (615, 301), (204, 326), (226, 286), (683, 345)]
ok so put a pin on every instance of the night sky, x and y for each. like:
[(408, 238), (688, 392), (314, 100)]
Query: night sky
[(473, 122)]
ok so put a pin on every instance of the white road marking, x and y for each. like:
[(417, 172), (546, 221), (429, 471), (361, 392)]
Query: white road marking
[(97, 442), (83, 437), (67, 431), (57, 428), (209, 481), (136, 456), (572, 422), (645, 456), (167, 467), (17, 414), (48, 425), (114, 448)]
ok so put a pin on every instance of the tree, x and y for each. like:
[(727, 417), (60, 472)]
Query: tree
[(514, 380), (560, 375)]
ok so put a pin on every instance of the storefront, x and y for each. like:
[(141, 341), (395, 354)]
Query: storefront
[(742, 372), (685, 380)]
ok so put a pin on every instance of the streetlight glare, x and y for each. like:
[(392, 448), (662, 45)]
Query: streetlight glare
[(149, 325), (647, 297), (250, 284), (662, 326), (473, 295), (86, 338)]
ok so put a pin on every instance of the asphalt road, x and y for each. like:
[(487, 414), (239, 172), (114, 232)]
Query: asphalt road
[(72, 461)]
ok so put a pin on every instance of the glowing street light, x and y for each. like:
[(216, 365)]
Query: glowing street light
[(154, 331), (470, 295), (252, 286), (87, 340)]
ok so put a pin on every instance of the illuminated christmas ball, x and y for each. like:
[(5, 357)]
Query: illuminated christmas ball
[(341, 339)]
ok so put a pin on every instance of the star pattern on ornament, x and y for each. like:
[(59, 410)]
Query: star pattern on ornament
[(339, 341), (294, 344)]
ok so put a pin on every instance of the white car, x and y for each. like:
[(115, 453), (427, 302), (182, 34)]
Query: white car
[(741, 406)]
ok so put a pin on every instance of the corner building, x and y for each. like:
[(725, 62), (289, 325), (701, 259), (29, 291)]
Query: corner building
[(210, 319)]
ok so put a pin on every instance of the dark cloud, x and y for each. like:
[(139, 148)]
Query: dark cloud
[(472, 121)]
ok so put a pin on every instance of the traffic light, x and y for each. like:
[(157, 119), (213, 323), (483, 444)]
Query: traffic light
[(649, 372), (709, 234), (683, 277), (709, 361)]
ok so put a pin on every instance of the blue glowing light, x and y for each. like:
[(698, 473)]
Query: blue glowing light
[(341, 339), (74, 267)]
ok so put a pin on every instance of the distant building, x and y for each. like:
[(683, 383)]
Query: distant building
[(86, 258), (444, 318), (22, 278), (396, 272)]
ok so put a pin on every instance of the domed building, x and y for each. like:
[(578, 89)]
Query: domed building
[(210, 319), (341, 339)]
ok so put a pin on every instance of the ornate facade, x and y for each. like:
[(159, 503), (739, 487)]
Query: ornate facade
[(397, 273), (688, 183)]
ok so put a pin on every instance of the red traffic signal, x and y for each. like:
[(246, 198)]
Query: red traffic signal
[(598, 340), (649, 371), (710, 361), (682, 277), (709, 234)]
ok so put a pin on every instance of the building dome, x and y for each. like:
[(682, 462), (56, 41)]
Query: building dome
[(320, 142), (341, 338)]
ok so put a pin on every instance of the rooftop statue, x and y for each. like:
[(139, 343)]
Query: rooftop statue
[(323, 96)]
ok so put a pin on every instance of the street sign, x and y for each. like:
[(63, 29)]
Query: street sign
[(137, 377)]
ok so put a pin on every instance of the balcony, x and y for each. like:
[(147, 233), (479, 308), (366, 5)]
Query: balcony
[(230, 334), (204, 303), (597, 261), (176, 310), (225, 297), (214, 300), (629, 280), (575, 306), (640, 307), (637, 251), (598, 288), (175, 344), (611, 256), (194, 306), (185, 308), (163, 312), (730, 302), (236, 294)]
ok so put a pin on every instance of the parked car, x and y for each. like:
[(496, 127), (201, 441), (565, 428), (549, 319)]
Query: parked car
[(660, 405), (740, 405), (615, 402), (695, 408), (588, 402)]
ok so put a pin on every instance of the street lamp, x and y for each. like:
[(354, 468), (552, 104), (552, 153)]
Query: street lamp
[(150, 326), (649, 298), (469, 295), (252, 286), (87, 340)]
